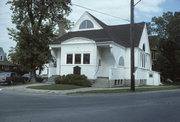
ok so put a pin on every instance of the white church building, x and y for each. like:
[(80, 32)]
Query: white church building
[(102, 53)]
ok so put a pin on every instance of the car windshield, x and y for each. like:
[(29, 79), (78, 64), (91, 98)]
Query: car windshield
[(26, 75), (1, 74), (7, 74)]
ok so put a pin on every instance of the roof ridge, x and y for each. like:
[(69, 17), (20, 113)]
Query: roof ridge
[(126, 24), (98, 21)]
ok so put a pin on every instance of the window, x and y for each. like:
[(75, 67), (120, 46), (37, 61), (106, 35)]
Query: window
[(143, 60), (99, 62), (77, 58), (150, 75), (86, 24), (69, 58), (1, 58), (86, 58), (121, 61), (144, 47), (115, 82)]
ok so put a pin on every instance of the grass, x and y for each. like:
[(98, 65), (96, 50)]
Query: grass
[(55, 87), (129, 91)]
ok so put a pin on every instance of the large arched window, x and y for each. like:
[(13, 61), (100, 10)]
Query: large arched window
[(86, 24), (144, 48), (121, 61)]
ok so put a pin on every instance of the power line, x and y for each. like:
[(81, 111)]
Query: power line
[(137, 2), (100, 12)]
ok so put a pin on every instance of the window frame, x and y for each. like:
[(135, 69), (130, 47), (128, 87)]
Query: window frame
[(87, 58), (75, 60), (84, 24), (71, 62)]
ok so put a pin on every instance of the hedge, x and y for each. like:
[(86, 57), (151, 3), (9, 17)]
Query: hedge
[(73, 79)]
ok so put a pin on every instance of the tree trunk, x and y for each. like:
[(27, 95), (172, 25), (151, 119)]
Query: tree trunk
[(34, 76)]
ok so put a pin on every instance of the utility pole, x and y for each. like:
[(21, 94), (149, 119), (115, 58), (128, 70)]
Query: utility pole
[(132, 46)]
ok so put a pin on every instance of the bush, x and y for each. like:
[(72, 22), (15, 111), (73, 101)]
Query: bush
[(39, 79), (73, 79)]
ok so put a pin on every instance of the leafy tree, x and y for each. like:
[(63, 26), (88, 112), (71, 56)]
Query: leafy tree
[(36, 26), (167, 30)]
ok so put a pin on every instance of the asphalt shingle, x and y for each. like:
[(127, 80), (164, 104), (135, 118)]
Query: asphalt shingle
[(118, 33)]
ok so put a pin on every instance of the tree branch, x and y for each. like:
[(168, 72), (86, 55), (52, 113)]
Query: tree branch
[(29, 8), (41, 14)]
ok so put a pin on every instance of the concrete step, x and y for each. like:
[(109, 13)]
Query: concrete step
[(101, 82)]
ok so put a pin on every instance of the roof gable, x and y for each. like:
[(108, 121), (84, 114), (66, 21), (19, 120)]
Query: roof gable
[(118, 33), (97, 24)]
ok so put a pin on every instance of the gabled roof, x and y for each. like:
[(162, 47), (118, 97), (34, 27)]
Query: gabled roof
[(103, 25), (119, 34)]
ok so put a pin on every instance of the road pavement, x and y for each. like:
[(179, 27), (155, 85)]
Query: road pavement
[(161, 106)]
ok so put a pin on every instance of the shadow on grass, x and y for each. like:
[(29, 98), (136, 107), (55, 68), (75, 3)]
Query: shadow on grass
[(55, 87), (129, 91)]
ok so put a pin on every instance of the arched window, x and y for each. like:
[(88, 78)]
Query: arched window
[(144, 48), (121, 61), (86, 24)]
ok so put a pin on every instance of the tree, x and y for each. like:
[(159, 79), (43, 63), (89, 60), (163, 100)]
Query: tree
[(36, 26), (167, 30)]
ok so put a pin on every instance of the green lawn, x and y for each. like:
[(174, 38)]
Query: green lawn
[(129, 91), (55, 87)]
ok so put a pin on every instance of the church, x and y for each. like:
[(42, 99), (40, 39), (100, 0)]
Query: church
[(102, 53)]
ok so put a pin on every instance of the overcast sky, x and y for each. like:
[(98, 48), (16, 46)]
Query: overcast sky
[(144, 11)]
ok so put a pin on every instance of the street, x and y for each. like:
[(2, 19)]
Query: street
[(132, 107)]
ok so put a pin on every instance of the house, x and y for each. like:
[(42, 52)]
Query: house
[(102, 53), (5, 65)]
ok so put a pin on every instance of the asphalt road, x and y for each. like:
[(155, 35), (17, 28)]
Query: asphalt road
[(137, 107)]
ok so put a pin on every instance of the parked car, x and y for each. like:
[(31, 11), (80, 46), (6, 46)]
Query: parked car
[(10, 77), (27, 77)]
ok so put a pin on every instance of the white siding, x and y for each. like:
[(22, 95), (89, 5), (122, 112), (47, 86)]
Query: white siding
[(79, 46)]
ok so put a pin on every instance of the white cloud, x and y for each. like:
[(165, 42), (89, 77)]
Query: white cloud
[(150, 6)]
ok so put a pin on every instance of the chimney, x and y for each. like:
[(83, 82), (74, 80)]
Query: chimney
[(61, 28)]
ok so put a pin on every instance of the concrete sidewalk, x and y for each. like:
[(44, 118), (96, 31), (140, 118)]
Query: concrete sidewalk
[(24, 89)]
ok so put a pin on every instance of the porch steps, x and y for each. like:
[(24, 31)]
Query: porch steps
[(101, 82)]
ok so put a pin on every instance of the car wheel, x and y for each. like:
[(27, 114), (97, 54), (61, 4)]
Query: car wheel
[(10, 82)]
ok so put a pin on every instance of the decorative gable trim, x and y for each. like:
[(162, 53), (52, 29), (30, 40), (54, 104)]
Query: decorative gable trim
[(86, 16), (144, 41)]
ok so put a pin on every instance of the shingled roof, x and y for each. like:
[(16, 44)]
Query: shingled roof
[(119, 34)]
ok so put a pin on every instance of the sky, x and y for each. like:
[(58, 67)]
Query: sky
[(144, 11)]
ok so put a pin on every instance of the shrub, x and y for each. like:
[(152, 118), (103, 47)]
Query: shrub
[(74, 79), (60, 79), (39, 79)]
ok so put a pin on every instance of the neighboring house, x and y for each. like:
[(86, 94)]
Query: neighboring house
[(102, 53), (5, 65)]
